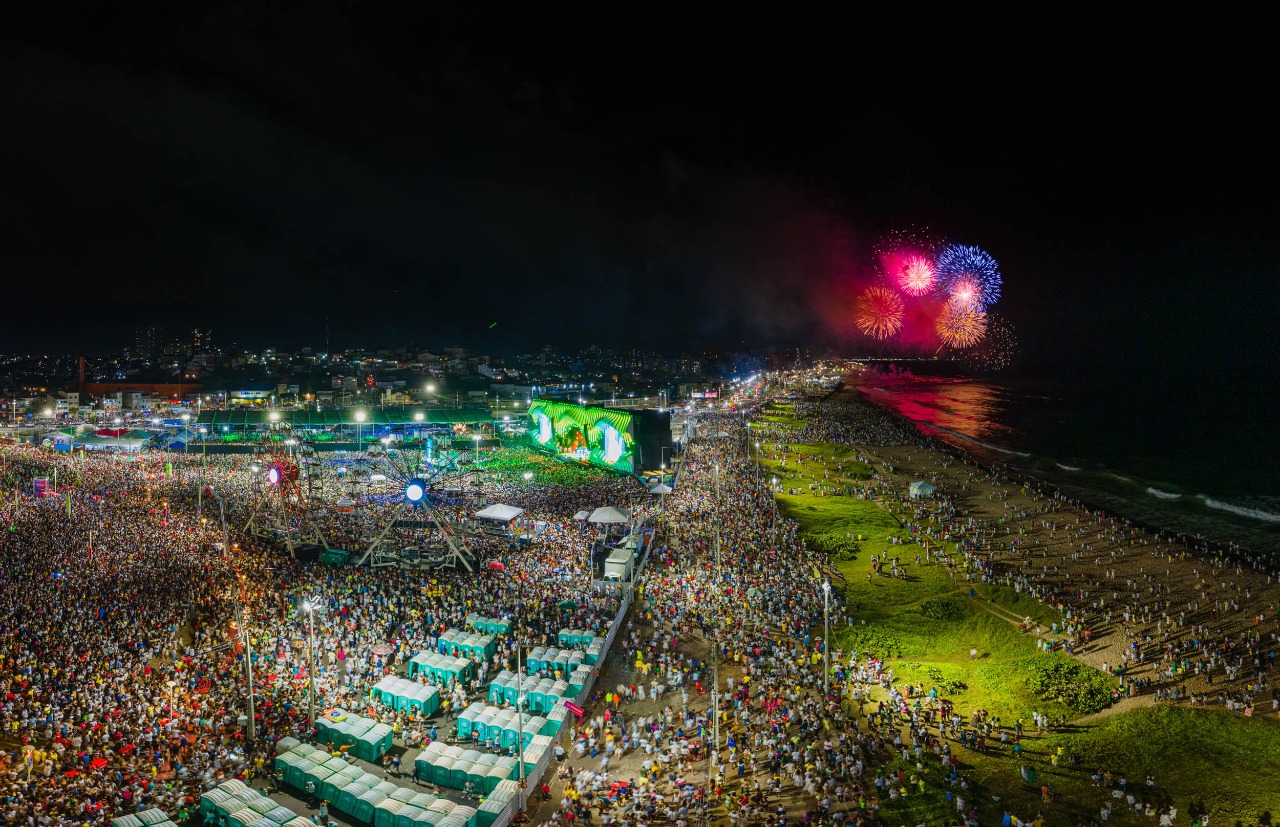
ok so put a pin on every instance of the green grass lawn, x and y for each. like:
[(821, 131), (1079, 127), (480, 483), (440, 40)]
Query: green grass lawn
[(926, 625)]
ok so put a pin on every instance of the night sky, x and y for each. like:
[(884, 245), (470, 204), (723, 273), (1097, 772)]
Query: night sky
[(416, 176)]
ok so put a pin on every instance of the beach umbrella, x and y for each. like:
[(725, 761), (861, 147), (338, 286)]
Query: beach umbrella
[(753, 593), (567, 604), (497, 565), (582, 515)]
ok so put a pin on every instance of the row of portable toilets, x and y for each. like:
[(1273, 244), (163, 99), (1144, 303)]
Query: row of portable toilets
[(404, 695), (366, 738), (540, 695), (455, 766), (466, 644), (368, 799), (552, 660), (234, 804), (440, 668), (481, 722), (147, 818), (487, 625)]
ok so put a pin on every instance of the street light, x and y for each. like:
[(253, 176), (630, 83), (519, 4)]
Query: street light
[(359, 419), (311, 606), (528, 475), (120, 432)]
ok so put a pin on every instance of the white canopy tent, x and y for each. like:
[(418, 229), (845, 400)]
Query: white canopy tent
[(501, 513), (661, 488), (920, 489), (609, 514), (582, 515)]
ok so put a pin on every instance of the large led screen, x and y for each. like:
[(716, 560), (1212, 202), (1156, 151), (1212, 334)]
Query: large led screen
[(600, 436)]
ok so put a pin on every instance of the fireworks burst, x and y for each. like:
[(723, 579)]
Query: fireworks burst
[(968, 276), (997, 349), (879, 312), (916, 276), (960, 326)]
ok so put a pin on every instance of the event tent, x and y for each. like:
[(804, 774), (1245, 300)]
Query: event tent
[(501, 513), (582, 515), (609, 514), (661, 488), (921, 489)]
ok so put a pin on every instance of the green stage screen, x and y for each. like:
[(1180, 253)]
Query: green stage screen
[(599, 436)]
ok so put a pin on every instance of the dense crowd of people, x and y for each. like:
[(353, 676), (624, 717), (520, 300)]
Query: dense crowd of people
[(126, 622), (128, 619)]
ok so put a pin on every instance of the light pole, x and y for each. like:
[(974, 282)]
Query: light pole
[(359, 419), (826, 644), (186, 427), (120, 432), (311, 606)]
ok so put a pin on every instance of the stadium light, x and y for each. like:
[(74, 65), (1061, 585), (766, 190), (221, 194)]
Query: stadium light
[(528, 475), (415, 491), (418, 417), (273, 475)]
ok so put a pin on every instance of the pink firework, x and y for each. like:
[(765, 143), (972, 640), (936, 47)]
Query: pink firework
[(916, 276), (879, 312), (966, 293)]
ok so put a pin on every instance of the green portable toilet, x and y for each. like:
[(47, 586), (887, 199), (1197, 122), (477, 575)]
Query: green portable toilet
[(428, 818), (442, 771), (458, 774), (295, 773), (316, 774), (130, 820), (423, 801), (467, 722), (209, 802), (281, 815), (331, 786), (365, 804), (441, 808), (480, 773), (228, 808), (384, 813), (349, 795), (407, 817), (242, 818), (260, 821), (488, 811)]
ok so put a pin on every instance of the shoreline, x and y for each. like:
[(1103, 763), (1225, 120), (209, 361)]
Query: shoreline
[(1048, 487)]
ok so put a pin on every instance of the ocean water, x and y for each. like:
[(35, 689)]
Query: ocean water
[(1193, 457)]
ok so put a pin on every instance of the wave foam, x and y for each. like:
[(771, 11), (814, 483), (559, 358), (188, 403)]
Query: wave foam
[(1243, 511), (976, 442), (1164, 495), (1066, 467)]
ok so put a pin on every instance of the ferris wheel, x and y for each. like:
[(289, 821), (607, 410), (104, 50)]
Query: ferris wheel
[(414, 532), (281, 514)]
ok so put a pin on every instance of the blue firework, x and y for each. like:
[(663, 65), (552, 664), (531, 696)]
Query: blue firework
[(968, 276)]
